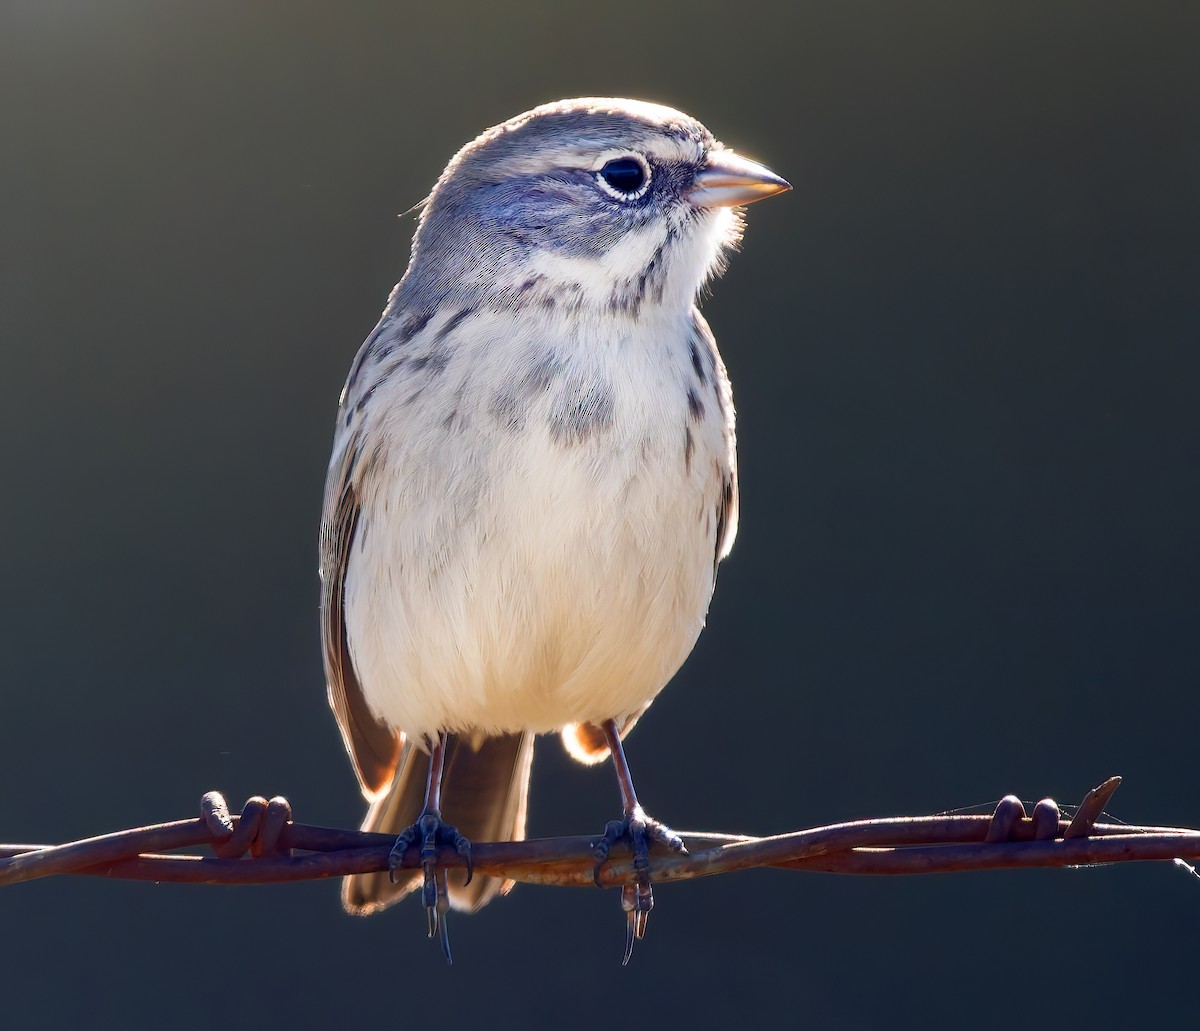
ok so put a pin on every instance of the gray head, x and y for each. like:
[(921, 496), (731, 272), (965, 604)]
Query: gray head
[(602, 203)]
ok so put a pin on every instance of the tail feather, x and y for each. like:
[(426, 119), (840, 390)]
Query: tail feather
[(485, 794)]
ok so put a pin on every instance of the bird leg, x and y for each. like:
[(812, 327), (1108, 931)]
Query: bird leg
[(431, 832), (637, 899)]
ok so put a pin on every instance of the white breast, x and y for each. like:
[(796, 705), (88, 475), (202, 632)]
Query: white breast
[(537, 537)]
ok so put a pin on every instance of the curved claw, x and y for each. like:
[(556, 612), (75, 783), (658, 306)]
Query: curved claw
[(443, 907), (445, 938), (431, 914), (640, 917), (629, 905), (463, 847), (637, 912)]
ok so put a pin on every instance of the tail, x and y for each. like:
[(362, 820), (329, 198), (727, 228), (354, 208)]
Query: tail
[(485, 794)]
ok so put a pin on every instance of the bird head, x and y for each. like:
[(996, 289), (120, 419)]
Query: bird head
[(596, 203)]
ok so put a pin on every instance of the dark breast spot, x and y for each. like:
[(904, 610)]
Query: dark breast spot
[(698, 364), (695, 405), (511, 402), (435, 360), (409, 328), (507, 410), (542, 372), (381, 377), (581, 409), (454, 322)]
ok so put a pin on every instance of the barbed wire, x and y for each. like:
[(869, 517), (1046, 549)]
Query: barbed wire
[(264, 845)]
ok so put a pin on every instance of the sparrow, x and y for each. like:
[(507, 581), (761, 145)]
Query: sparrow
[(532, 483)]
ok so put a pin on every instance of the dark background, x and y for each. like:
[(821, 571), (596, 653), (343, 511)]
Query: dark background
[(964, 355)]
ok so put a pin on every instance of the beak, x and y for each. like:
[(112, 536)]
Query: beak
[(729, 180)]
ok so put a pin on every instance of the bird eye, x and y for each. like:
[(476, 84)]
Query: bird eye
[(626, 178)]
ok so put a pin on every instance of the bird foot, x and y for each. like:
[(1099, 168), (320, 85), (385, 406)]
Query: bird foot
[(431, 834), (637, 899)]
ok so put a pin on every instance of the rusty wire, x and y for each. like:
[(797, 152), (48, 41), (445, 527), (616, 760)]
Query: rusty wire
[(264, 845)]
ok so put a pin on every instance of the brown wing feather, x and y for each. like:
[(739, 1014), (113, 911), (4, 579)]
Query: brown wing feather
[(374, 747)]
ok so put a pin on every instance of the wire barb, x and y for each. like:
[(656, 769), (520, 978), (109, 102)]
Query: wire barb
[(1091, 808)]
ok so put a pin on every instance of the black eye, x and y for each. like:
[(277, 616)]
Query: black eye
[(625, 176)]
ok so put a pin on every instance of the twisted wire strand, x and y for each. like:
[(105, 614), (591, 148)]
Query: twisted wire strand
[(264, 845)]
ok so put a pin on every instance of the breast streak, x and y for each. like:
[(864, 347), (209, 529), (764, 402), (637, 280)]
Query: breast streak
[(543, 560)]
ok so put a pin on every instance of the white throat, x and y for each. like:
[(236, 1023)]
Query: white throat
[(659, 264)]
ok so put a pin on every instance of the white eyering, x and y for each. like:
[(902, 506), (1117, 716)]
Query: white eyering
[(612, 191)]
